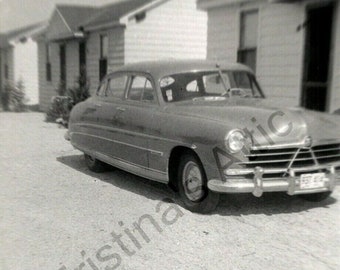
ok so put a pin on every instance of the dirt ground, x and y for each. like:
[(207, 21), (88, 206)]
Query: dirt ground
[(56, 214)]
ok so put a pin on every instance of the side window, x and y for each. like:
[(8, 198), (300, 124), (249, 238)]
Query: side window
[(213, 83), (149, 92), (192, 86), (141, 89), (116, 86)]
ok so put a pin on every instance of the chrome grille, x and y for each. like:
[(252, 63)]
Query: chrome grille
[(327, 153), (293, 157)]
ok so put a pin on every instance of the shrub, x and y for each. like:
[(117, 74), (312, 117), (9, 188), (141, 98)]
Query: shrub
[(60, 108), (13, 97), (18, 97), (62, 104)]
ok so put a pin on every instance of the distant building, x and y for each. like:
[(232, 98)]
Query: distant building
[(101, 39), (294, 46), (18, 60)]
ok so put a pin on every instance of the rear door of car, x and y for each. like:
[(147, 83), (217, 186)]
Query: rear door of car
[(89, 133)]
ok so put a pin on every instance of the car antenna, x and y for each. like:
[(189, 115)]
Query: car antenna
[(222, 79)]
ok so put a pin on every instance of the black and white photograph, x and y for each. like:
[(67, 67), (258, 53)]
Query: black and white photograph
[(169, 134)]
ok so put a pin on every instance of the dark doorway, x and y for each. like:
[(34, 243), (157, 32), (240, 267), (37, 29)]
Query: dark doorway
[(62, 54), (315, 85), (104, 52)]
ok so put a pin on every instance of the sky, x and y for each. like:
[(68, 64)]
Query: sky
[(19, 13)]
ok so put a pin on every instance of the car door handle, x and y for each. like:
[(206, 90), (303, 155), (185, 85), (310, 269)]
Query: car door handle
[(98, 105)]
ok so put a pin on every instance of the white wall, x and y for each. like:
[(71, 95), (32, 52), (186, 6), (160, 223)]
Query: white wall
[(26, 68), (280, 52), (48, 89), (335, 97), (175, 29), (72, 63), (223, 34)]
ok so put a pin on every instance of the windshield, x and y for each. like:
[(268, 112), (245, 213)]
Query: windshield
[(209, 84)]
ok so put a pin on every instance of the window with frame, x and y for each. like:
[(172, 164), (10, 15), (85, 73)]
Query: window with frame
[(116, 86), (48, 63), (141, 89), (248, 38)]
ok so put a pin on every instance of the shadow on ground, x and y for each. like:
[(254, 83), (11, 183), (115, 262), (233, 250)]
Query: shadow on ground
[(230, 205)]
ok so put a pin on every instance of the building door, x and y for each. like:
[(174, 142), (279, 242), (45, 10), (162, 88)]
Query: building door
[(62, 52), (315, 85)]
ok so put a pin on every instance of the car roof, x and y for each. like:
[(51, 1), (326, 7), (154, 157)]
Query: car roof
[(159, 69)]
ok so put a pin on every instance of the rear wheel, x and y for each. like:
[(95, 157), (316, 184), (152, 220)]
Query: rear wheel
[(192, 185), (316, 197), (94, 164)]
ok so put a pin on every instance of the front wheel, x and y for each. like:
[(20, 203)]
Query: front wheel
[(316, 197), (192, 185)]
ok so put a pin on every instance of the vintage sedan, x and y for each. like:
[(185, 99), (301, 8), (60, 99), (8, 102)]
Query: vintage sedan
[(206, 129)]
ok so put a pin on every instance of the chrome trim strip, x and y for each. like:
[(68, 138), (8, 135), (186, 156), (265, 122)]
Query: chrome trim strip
[(295, 145), (126, 132), (119, 142), (278, 146), (138, 170), (270, 154)]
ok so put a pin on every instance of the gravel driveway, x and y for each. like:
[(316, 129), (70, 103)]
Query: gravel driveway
[(56, 214)]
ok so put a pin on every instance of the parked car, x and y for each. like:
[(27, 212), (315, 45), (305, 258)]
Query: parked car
[(205, 129)]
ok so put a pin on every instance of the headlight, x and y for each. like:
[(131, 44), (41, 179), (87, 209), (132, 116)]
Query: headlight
[(235, 141)]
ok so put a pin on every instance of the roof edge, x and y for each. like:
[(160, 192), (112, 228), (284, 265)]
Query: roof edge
[(147, 7), (103, 26), (63, 18)]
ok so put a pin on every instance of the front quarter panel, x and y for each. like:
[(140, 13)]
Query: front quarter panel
[(202, 136)]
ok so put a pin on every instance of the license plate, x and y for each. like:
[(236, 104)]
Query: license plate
[(312, 181)]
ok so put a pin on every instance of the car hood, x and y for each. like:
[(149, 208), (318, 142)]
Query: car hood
[(268, 124)]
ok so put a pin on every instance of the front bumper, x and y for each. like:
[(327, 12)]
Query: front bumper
[(290, 184)]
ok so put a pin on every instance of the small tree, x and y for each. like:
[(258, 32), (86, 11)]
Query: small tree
[(18, 97)]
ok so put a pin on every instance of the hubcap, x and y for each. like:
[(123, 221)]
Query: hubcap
[(192, 182)]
